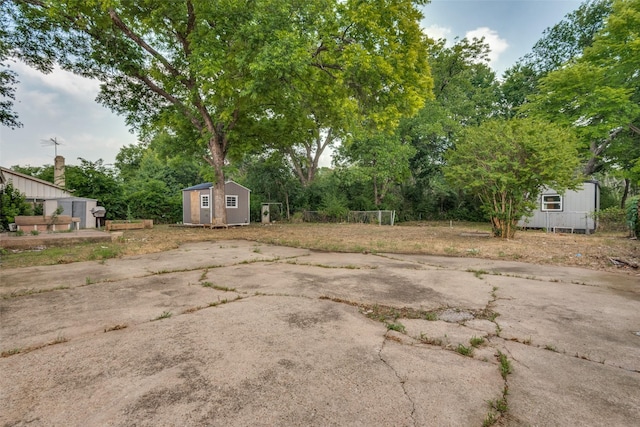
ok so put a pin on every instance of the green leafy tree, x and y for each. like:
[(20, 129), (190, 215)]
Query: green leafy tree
[(597, 92), (558, 45), (383, 159), (569, 38), (12, 204), (466, 93), (211, 69), (506, 163)]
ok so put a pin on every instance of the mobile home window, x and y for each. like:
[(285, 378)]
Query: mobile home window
[(204, 201), (232, 202), (551, 203)]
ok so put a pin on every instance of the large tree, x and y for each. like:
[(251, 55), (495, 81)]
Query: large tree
[(212, 69), (506, 163), (563, 42), (598, 92)]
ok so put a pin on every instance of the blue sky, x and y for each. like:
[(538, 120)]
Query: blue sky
[(62, 106)]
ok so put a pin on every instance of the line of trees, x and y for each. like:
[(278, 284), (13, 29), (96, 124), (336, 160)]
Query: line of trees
[(258, 91)]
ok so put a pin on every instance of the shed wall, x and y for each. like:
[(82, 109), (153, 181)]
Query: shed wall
[(577, 210)]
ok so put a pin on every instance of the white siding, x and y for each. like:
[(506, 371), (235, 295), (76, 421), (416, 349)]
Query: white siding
[(34, 188)]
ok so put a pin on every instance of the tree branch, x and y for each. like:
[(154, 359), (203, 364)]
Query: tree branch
[(115, 18)]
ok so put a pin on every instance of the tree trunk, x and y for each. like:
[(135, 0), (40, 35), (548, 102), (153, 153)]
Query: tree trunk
[(625, 193), (219, 197)]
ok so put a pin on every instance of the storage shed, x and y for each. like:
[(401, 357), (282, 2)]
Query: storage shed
[(572, 211), (198, 204)]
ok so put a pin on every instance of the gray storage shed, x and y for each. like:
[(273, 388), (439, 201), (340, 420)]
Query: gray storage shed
[(198, 204), (571, 211)]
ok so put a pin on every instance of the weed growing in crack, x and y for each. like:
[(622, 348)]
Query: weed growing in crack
[(26, 292), (164, 315), (423, 338), (223, 301), (88, 281), (115, 328), (490, 419), (203, 276), (398, 327), (477, 273), (505, 365), (476, 341), (499, 407), (464, 350), (218, 287), (11, 352), (59, 339), (551, 347), (430, 316)]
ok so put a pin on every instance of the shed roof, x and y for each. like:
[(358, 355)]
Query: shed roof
[(205, 185), (198, 186)]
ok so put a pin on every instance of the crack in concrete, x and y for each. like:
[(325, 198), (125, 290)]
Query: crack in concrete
[(400, 379)]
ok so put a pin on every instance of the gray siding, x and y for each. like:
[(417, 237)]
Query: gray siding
[(193, 213), (576, 214)]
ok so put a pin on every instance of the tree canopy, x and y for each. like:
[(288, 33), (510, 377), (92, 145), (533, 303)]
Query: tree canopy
[(506, 164), (212, 70)]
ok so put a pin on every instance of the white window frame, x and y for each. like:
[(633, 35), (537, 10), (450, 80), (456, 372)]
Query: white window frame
[(234, 204), (548, 200), (205, 201)]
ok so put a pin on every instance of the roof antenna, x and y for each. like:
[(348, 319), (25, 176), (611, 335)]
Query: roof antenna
[(50, 142)]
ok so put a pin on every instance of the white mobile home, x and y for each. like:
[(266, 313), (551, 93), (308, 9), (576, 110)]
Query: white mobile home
[(198, 207), (572, 211)]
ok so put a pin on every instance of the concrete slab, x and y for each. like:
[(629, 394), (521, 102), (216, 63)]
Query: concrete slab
[(238, 333)]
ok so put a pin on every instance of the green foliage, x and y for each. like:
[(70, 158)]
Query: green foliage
[(506, 163), (597, 92), (613, 218), (383, 160), (570, 37), (633, 216), (299, 67), (12, 204)]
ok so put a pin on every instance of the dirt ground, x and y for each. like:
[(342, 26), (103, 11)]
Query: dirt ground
[(234, 333), (600, 251)]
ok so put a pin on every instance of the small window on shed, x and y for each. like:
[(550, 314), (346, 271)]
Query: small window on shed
[(204, 201), (232, 202), (551, 203)]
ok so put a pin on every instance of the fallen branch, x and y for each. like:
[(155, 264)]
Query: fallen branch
[(619, 262)]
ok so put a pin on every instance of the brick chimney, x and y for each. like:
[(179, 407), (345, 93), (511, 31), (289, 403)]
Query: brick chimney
[(58, 171)]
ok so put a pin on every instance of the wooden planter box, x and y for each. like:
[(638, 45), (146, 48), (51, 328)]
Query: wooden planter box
[(137, 225), (47, 223)]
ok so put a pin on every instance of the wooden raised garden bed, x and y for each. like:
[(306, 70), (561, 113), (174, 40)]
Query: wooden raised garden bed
[(128, 225)]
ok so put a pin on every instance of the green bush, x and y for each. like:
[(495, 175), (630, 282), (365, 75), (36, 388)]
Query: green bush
[(633, 216), (613, 218), (12, 204)]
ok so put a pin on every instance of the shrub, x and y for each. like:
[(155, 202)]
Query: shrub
[(611, 219), (633, 216)]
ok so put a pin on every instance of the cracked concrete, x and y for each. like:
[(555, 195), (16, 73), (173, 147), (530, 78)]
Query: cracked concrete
[(286, 336)]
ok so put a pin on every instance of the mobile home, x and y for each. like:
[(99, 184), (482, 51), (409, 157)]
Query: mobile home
[(572, 211)]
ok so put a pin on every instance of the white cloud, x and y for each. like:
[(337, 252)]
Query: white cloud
[(59, 80), (437, 32), (496, 44)]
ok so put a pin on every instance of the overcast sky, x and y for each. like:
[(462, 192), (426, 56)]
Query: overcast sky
[(62, 106)]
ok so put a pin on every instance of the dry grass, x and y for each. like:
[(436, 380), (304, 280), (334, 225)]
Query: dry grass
[(462, 239)]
